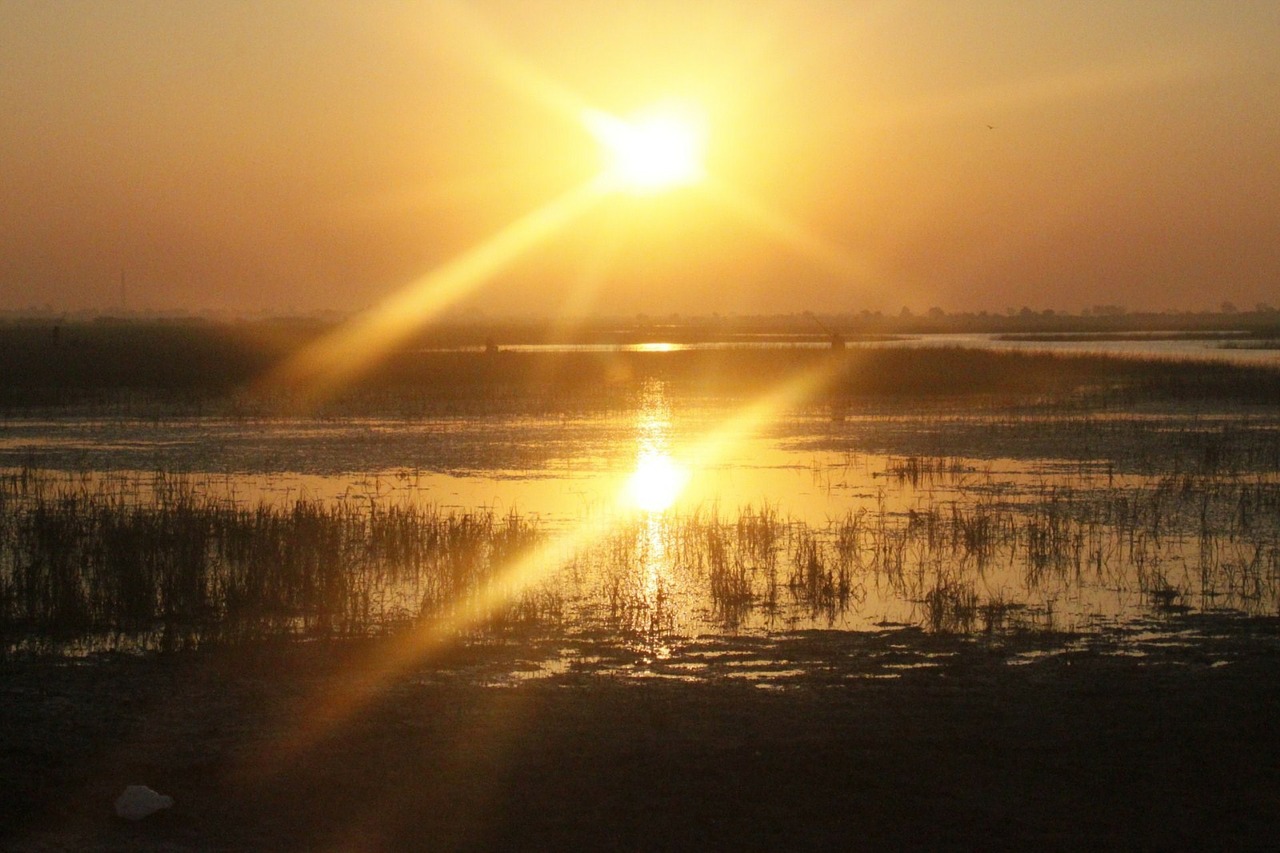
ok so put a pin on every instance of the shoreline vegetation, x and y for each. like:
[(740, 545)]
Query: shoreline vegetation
[(86, 566), (209, 368), (472, 329)]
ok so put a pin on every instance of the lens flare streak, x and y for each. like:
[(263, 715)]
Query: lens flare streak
[(827, 255), (322, 368), (368, 677)]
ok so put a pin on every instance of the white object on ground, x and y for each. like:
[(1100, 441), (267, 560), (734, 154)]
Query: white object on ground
[(139, 801)]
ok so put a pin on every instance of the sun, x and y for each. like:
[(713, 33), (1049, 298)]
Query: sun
[(655, 150)]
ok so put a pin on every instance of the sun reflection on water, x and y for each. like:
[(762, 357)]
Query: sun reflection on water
[(652, 488), (658, 479), (656, 482), (656, 584)]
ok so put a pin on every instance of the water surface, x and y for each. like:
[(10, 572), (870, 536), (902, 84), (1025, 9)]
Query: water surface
[(651, 519)]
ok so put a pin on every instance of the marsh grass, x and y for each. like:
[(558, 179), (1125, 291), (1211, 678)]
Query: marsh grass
[(186, 568), (990, 560), (924, 470), (168, 565)]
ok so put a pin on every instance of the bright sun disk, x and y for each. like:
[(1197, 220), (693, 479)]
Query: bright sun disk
[(659, 149)]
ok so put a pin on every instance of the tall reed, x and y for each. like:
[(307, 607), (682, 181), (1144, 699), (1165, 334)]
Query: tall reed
[(97, 563)]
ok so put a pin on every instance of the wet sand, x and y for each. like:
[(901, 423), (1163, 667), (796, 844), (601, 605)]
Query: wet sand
[(1081, 749)]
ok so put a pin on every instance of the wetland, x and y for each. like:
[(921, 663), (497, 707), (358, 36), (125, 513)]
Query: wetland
[(950, 595)]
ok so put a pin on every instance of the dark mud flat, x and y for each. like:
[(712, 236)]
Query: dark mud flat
[(262, 750)]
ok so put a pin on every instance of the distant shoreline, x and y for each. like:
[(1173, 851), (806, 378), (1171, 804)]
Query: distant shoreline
[(639, 328), (205, 367)]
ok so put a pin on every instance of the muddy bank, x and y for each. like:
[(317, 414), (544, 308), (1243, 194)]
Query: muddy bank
[(851, 745)]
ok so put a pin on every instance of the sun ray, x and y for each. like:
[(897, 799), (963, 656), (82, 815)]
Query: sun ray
[(362, 681), (646, 153), (323, 367), (584, 293), (368, 677), (803, 241), (474, 43), (717, 444)]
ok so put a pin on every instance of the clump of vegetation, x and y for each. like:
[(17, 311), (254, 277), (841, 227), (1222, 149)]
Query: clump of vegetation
[(182, 567), (922, 470)]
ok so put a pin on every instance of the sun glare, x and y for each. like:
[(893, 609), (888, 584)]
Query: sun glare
[(655, 150), (656, 482)]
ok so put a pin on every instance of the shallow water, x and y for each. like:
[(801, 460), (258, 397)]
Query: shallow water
[(954, 521)]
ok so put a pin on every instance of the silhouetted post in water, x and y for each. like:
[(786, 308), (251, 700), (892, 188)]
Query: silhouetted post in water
[(490, 346), (56, 335), (837, 339)]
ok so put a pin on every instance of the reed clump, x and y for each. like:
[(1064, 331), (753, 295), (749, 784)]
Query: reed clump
[(186, 568)]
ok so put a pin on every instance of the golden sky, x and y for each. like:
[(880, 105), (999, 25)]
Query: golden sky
[(314, 154)]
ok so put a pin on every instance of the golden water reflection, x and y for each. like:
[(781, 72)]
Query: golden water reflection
[(651, 489), (658, 479), (656, 529), (656, 482)]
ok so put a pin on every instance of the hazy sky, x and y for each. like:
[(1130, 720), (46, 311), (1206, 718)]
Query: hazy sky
[(971, 155)]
